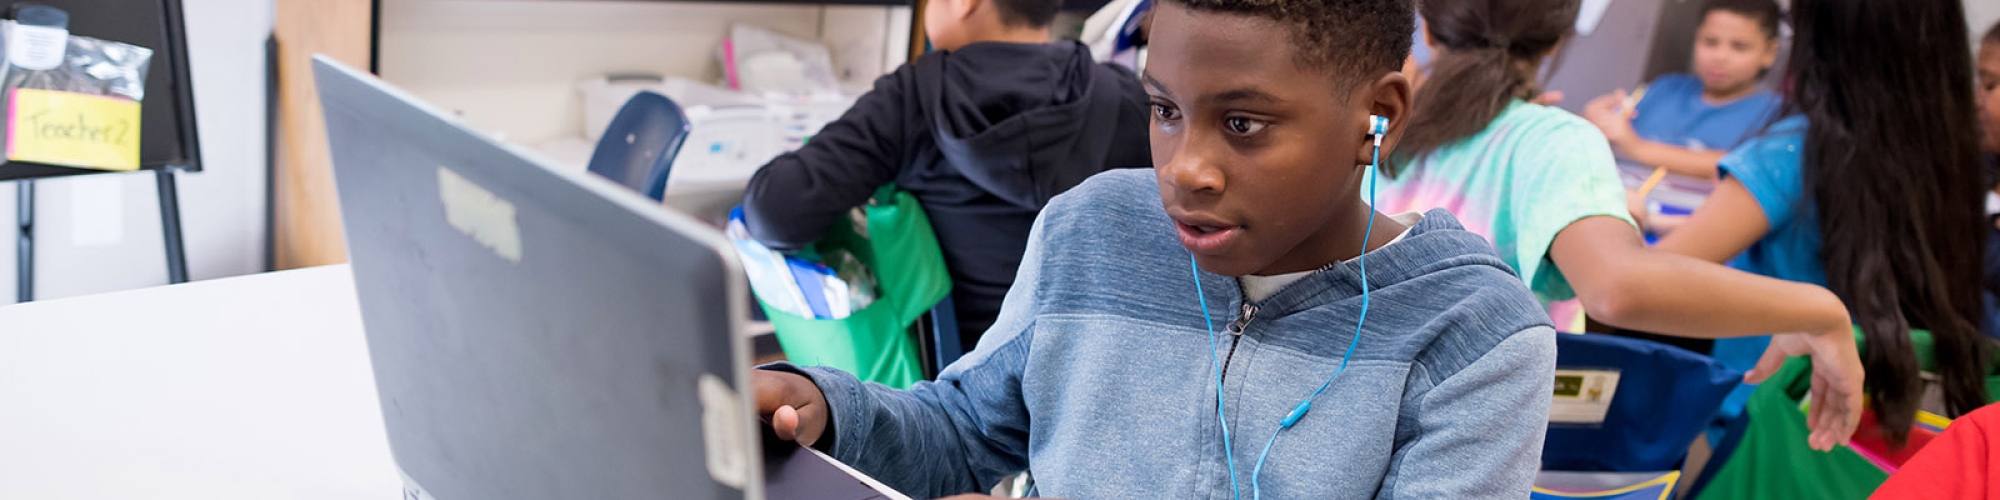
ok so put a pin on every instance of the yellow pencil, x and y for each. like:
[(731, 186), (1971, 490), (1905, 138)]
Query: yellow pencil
[(1651, 182), (1631, 102)]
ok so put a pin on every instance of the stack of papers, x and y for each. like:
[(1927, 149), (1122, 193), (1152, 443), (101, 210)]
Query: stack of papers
[(830, 285)]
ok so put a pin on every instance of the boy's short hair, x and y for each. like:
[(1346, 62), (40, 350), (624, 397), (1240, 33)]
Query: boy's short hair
[(1354, 39), (1766, 13), (1993, 34), (1028, 13)]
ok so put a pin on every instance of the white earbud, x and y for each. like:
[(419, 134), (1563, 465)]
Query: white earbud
[(1377, 128)]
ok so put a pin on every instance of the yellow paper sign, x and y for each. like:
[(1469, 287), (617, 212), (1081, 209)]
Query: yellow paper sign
[(74, 130)]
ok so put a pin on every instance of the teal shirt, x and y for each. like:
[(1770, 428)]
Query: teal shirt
[(1531, 173)]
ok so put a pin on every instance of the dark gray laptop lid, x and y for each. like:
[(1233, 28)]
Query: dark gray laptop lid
[(535, 334)]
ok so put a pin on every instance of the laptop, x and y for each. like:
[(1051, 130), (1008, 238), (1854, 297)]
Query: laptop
[(538, 333)]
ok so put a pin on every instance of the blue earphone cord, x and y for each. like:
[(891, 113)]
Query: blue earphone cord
[(1256, 491), (1214, 363)]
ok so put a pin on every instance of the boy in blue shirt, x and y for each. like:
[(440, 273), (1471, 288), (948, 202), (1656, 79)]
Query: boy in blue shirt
[(1685, 123), (1237, 320)]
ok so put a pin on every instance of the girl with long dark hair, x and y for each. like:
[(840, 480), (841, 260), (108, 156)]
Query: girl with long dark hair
[(1871, 185)]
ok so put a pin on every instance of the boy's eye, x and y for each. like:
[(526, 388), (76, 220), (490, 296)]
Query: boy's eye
[(1242, 126), (1165, 113)]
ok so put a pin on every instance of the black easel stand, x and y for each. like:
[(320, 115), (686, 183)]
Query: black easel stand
[(170, 227)]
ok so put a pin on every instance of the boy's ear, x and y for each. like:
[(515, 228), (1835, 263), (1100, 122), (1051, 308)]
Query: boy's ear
[(1390, 96), (962, 9)]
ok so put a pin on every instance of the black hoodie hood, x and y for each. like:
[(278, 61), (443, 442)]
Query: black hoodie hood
[(1019, 120)]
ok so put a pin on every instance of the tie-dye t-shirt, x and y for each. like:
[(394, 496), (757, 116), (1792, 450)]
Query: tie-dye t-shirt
[(1534, 170)]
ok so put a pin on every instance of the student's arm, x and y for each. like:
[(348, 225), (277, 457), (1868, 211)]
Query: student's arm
[(1678, 160), (1623, 283), (1574, 223), (1480, 429), (1610, 117), (960, 433), (792, 200), (1726, 225)]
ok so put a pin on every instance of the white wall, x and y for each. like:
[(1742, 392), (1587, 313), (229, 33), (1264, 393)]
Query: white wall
[(511, 67), (117, 245), (1982, 14), (511, 63)]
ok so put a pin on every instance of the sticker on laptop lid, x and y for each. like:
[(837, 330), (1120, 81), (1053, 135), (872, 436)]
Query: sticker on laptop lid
[(723, 432), (487, 218), (1583, 396)]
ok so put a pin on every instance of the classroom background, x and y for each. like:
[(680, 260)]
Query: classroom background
[(545, 76)]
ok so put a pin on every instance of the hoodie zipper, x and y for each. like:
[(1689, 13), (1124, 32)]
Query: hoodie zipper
[(1236, 329)]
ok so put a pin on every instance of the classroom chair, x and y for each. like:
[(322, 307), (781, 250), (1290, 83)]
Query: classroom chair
[(638, 147), (1662, 399), (937, 337)]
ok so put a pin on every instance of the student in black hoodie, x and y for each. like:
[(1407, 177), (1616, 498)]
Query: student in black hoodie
[(983, 132)]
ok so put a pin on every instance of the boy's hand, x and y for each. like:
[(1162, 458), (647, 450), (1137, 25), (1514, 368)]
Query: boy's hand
[(1836, 381), (793, 404), (1609, 114)]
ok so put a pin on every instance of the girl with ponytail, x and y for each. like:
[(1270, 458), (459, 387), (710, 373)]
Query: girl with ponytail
[(1542, 184)]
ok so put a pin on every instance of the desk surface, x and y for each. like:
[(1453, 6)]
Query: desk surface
[(252, 387)]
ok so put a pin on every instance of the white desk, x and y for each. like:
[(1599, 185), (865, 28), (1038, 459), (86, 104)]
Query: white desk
[(256, 387)]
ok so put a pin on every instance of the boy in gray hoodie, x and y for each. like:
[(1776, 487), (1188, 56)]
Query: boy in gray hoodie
[(1236, 321)]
